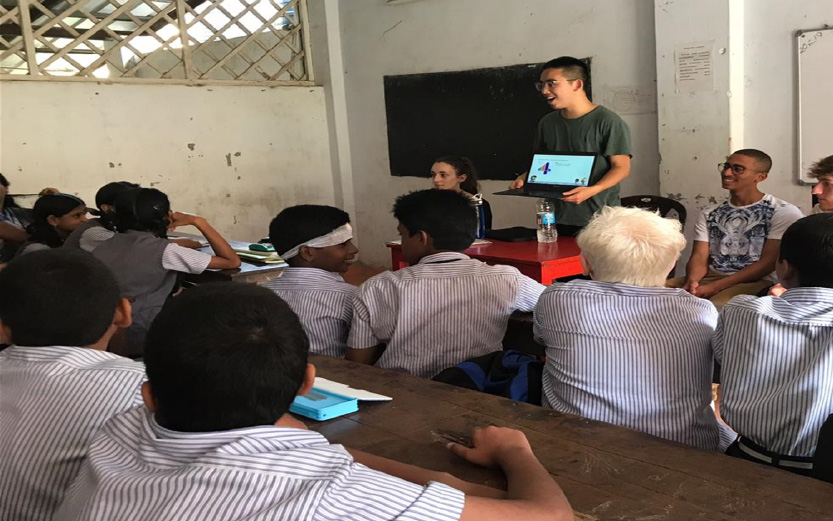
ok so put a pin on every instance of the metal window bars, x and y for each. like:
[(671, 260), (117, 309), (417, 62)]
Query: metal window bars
[(176, 41)]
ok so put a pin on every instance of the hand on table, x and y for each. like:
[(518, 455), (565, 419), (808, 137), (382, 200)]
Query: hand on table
[(579, 194), (491, 445)]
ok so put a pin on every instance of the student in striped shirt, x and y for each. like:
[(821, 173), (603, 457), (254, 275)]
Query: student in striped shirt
[(622, 348), (317, 243), (216, 442), (445, 307), (58, 385), (777, 354)]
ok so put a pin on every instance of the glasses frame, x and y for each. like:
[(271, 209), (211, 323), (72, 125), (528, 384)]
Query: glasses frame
[(539, 85), (736, 169)]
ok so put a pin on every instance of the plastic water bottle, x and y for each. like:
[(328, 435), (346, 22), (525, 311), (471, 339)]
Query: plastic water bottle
[(546, 221)]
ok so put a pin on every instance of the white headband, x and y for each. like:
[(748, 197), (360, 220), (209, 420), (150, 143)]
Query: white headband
[(337, 236)]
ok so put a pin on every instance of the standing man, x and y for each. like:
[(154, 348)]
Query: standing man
[(579, 125)]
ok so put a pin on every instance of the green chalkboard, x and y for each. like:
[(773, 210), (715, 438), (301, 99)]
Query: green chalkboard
[(488, 115)]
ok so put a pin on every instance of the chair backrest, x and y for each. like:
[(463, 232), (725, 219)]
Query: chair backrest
[(663, 205)]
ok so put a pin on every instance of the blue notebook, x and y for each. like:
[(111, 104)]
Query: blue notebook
[(320, 405)]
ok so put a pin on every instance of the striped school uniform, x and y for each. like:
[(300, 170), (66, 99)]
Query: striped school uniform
[(52, 401), (323, 303), (444, 310), (632, 356), (140, 471), (777, 368)]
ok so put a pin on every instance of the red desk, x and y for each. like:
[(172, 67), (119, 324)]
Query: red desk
[(542, 262)]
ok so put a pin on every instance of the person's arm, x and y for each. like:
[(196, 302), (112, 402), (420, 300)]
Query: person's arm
[(422, 476), (532, 494), (187, 243), (697, 267), (529, 291), (224, 256), (755, 271), (366, 355), (620, 168), (10, 232)]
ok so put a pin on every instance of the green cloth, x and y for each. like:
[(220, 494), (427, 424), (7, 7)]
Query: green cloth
[(601, 131)]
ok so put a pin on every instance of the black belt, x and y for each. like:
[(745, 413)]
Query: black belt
[(757, 452)]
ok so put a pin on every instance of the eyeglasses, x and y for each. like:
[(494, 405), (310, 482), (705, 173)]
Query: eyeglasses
[(539, 85), (737, 169)]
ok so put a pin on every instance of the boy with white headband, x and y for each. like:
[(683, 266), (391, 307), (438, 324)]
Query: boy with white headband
[(316, 242)]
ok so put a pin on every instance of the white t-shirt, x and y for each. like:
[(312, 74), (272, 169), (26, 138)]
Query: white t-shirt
[(736, 234)]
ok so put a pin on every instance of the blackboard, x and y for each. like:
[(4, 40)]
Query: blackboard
[(488, 115)]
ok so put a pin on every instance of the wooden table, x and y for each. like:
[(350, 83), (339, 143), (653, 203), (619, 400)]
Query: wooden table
[(607, 472), (543, 262), (249, 271)]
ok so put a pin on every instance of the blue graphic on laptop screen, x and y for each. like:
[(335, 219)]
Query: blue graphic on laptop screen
[(566, 170)]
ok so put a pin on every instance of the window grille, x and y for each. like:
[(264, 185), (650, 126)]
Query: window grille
[(177, 41)]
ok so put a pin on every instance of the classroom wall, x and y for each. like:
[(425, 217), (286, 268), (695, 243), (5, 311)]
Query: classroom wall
[(420, 36), (235, 155)]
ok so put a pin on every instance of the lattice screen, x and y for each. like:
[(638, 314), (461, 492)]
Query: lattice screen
[(264, 41)]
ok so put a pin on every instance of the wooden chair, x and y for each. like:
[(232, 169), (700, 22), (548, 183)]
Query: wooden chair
[(664, 206)]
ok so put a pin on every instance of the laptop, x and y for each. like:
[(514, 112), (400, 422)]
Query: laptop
[(550, 175)]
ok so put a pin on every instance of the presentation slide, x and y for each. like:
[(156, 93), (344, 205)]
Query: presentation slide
[(561, 170)]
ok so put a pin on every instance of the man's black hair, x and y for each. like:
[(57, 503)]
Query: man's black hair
[(298, 224), (224, 356), (144, 210), (574, 69), (57, 297), (447, 216), (808, 246), (762, 158)]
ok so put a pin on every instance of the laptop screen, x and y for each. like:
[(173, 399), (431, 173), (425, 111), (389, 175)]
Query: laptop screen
[(561, 169)]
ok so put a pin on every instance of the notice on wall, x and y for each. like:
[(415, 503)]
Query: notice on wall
[(630, 99), (694, 66)]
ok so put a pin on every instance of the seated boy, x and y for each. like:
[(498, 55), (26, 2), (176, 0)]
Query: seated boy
[(736, 242), (58, 385), (777, 354), (316, 242), (216, 442), (445, 307), (822, 172), (622, 348)]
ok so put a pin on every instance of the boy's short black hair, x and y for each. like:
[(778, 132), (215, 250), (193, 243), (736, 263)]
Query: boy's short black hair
[(224, 356), (808, 246), (447, 216), (574, 69), (298, 224), (57, 297), (762, 158), (821, 168)]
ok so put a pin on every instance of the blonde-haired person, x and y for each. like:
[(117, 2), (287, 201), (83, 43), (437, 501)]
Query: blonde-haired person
[(622, 348)]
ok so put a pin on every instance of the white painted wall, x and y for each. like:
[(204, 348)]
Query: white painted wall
[(442, 35), (771, 116), (236, 155)]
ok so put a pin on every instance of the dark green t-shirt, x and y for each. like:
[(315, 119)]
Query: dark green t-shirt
[(601, 131)]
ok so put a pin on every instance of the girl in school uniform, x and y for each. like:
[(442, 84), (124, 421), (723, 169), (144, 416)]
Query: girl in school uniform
[(458, 173), (90, 234), (13, 222), (146, 263), (54, 217)]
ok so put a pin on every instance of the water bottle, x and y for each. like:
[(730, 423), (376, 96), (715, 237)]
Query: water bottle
[(477, 202), (546, 221)]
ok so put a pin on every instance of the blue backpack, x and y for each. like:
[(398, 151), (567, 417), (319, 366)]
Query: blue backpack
[(510, 374)]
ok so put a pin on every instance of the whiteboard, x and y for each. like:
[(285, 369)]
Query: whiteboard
[(815, 97)]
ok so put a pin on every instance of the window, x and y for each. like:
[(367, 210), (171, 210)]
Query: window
[(178, 41)]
